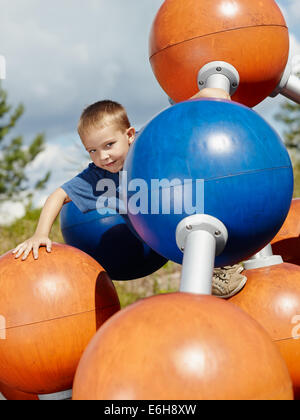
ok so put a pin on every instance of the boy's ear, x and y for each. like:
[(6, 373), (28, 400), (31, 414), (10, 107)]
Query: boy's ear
[(131, 135)]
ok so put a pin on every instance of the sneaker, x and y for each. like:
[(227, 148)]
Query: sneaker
[(228, 281)]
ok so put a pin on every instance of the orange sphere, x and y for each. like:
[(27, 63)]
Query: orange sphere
[(249, 34), (287, 241), (15, 395), (272, 297), (181, 347), (50, 310)]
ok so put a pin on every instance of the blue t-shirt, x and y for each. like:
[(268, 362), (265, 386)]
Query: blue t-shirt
[(85, 190)]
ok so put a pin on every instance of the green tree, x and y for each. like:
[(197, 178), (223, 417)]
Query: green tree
[(15, 156), (290, 116)]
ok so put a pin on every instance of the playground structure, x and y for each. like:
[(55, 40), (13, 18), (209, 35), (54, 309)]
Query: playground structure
[(190, 345), (56, 306), (251, 36), (287, 241), (272, 297), (108, 238), (139, 354)]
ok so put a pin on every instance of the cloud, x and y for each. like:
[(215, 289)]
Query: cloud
[(64, 55), (294, 45), (64, 162), (291, 11), (10, 211)]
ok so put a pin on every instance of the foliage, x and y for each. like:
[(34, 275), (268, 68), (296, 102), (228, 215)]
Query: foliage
[(24, 228), (15, 156), (297, 179), (290, 116)]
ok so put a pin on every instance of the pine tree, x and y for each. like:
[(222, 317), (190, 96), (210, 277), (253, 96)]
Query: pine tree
[(290, 116), (15, 156)]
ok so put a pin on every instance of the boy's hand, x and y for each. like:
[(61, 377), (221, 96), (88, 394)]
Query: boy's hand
[(33, 245)]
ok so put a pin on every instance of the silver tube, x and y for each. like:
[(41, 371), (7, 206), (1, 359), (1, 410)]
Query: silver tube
[(292, 89), (266, 252), (198, 263), (59, 396), (218, 81), (264, 258)]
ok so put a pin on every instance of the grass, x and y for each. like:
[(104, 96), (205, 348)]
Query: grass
[(23, 229), (297, 179)]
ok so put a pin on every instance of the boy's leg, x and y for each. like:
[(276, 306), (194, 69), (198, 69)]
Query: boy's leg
[(228, 281)]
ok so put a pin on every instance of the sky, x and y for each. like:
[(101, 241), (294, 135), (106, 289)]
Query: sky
[(66, 54)]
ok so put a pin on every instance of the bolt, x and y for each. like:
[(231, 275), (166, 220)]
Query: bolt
[(201, 83), (189, 227), (234, 84), (219, 68), (182, 249), (218, 233)]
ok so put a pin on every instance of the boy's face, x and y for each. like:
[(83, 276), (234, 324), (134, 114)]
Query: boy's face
[(108, 146)]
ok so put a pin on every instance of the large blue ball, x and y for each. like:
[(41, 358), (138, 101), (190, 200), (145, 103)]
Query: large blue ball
[(109, 240), (239, 161)]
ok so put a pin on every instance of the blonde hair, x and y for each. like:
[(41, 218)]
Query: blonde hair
[(103, 113)]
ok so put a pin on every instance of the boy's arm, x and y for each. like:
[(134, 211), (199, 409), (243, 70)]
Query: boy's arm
[(49, 213)]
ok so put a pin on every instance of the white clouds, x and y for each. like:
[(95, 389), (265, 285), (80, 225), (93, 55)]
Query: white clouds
[(291, 10), (63, 55), (63, 161), (294, 45), (10, 211)]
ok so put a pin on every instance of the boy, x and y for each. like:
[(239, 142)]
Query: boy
[(107, 135)]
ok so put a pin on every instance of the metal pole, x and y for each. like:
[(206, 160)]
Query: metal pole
[(264, 258), (201, 238), (292, 89), (219, 74), (218, 81), (59, 396), (198, 263), (289, 85)]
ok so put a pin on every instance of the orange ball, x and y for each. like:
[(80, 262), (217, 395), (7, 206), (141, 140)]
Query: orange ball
[(15, 395), (287, 241), (272, 297), (50, 310), (181, 347), (249, 34)]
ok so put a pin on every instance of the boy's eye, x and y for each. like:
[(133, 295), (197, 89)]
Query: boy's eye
[(109, 145), (92, 151)]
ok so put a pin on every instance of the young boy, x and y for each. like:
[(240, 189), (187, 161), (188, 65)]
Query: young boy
[(107, 135)]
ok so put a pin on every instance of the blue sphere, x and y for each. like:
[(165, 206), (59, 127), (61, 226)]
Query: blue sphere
[(233, 166), (110, 241)]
